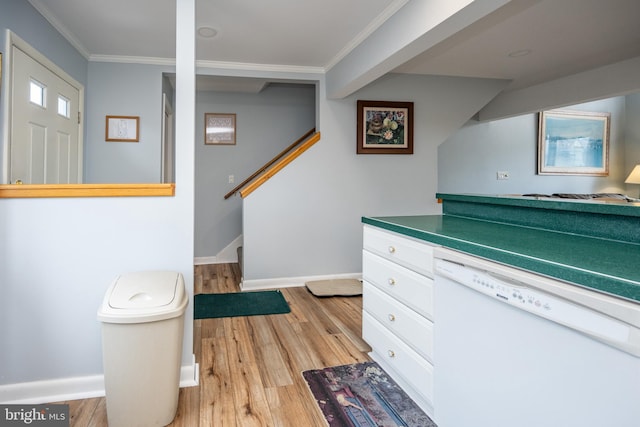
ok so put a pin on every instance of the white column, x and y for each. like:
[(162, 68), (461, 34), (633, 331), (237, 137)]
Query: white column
[(185, 148)]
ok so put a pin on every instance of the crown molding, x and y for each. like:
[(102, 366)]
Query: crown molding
[(259, 67), (205, 64), (40, 6), (133, 59)]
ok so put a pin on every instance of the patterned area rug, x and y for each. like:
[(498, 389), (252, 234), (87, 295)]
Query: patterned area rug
[(362, 395)]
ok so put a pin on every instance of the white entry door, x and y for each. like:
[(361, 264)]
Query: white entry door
[(45, 137)]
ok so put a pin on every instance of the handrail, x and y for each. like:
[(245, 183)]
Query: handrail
[(281, 164), (269, 163)]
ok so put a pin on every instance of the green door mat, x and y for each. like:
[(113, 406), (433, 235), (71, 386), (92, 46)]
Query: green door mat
[(207, 306)]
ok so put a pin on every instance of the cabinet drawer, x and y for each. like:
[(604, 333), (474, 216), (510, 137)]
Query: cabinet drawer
[(414, 329), (411, 288), (414, 369), (417, 256)]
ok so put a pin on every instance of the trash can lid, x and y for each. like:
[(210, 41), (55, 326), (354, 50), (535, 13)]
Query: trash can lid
[(144, 296)]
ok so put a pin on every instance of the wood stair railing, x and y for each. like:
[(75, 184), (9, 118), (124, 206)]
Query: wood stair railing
[(276, 164)]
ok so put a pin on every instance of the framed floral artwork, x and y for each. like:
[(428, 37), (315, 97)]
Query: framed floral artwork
[(385, 127)]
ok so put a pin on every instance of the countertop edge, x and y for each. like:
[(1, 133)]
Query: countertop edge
[(615, 286), (594, 206)]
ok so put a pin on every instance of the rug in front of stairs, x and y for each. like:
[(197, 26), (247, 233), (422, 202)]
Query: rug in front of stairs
[(207, 306), (361, 395)]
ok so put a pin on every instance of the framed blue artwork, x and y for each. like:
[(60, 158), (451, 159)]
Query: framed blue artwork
[(573, 143)]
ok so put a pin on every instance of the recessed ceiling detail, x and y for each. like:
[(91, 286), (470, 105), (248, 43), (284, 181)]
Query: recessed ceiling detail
[(207, 32), (517, 53)]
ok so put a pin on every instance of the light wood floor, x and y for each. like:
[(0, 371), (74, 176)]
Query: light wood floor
[(250, 367)]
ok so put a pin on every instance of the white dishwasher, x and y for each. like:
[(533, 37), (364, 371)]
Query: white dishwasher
[(515, 349)]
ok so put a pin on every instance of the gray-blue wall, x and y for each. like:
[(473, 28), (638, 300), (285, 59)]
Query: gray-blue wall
[(110, 89), (267, 123), (632, 140), (58, 256), (121, 89), (306, 220), (469, 159), (25, 22)]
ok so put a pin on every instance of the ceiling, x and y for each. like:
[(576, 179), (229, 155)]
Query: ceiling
[(537, 41), (547, 40), (275, 32)]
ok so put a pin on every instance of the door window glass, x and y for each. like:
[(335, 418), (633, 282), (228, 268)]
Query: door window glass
[(64, 106), (37, 93)]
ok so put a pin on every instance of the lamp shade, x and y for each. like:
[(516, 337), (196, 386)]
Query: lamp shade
[(634, 176)]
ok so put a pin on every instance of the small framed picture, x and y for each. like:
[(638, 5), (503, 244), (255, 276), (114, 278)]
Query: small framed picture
[(219, 128), (573, 143), (122, 128), (385, 127)]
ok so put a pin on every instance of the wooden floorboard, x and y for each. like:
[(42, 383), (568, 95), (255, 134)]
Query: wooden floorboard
[(251, 367)]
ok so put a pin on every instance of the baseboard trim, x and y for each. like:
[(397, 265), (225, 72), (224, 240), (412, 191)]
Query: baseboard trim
[(48, 391), (291, 282), (190, 374), (204, 260), (226, 256), (63, 389)]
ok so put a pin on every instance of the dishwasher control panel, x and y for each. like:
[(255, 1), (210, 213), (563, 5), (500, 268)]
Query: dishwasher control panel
[(534, 301)]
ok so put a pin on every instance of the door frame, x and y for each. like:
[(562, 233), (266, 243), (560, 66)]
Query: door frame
[(168, 146), (14, 40)]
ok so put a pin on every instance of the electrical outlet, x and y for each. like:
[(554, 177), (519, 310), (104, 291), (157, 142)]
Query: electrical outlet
[(502, 175), (231, 179)]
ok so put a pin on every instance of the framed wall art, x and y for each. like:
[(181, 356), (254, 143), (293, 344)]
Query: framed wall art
[(122, 128), (385, 127), (219, 128), (573, 143)]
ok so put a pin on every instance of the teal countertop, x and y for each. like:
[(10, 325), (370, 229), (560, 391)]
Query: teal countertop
[(606, 265), (612, 220), (596, 206)]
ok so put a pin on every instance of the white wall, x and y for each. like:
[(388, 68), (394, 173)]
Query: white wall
[(267, 123), (469, 159), (306, 221), (57, 257)]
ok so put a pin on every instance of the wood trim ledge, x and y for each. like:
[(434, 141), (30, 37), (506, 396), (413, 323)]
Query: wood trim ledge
[(86, 190)]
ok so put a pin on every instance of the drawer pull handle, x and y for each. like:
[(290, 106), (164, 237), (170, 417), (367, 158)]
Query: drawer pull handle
[(391, 353), (392, 317), (392, 249), (392, 281)]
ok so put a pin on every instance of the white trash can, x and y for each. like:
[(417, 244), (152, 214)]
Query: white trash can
[(142, 329)]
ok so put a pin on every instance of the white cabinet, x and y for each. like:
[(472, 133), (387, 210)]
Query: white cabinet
[(397, 319)]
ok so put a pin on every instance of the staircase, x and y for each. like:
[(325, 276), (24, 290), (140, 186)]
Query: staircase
[(270, 169), (276, 164)]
